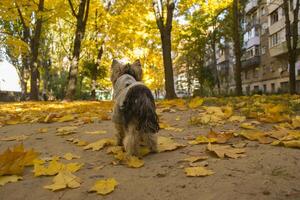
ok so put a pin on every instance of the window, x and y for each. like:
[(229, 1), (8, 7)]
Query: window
[(274, 39), (265, 88), (273, 87), (265, 69), (263, 50), (255, 72), (256, 51), (263, 11), (274, 17)]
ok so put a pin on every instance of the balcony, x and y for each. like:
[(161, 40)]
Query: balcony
[(252, 42), (251, 5), (251, 62), (280, 49)]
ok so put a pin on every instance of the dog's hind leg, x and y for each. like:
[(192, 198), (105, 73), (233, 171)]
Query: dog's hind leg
[(131, 140), (120, 133), (150, 140)]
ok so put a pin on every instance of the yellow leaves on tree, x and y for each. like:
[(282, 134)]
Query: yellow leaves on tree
[(12, 162), (104, 186)]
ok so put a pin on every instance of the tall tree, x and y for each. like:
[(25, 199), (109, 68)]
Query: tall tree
[(164, 24), (34, 47), (237, 46), (292, 38), (81, 20)]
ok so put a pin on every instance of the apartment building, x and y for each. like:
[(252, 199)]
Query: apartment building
[(265, 66)]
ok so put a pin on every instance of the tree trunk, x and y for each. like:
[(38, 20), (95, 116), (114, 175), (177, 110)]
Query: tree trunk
[(168, 67), (95, 73), (237, 47), (292, 42), (165, 29), (213, 45), (35, 43), (81, 17)]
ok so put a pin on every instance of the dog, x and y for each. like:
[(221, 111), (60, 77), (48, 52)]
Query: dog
[(134, 112)]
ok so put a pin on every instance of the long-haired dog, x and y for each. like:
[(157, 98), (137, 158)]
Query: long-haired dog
[(134, 113)]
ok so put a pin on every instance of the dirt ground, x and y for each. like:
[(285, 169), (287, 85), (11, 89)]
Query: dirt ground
[(267, 172)]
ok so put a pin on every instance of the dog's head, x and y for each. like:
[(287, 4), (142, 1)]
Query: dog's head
[(118, 69)]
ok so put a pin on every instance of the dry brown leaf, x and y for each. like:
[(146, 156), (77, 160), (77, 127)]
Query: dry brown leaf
[(222, 151), (221, 138), (67, 130), (14, 138)]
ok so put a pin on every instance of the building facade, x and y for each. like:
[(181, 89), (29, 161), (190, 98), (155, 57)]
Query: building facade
[(265, 67)]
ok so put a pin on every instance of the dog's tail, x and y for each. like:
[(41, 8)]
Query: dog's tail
[(139, 105)]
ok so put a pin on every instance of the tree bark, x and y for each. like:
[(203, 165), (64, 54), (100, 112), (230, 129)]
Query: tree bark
[(35, 43), (292, 42), (237, 48), (81, 17), (213, 45), (95, 73), (165, 35)]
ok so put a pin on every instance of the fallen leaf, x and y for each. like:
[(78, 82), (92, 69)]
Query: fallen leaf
[(220, 137), (196, 102), (12, 162), (54, 167), (14, 138), (67, 130), (43, 130), (64, 179), (9, 179), (292, 143), (198, 171), (222, 151), (104, 186), (100, 144), (236, 118), (193, 159), (167, 144), (96, 132), (134, 162), (201, 139), (70, 156), (256, 135), (247, 126), (296, 122), (66, 118)]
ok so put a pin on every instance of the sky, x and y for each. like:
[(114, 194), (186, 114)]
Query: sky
[(9, 79)]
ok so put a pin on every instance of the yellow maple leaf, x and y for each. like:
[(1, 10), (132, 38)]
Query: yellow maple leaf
[(296, 122), (100, 132), (167, 144), (12, 162), (247, 126), (198, 171), (100, 144), (9, 179), (54, 167), (222, 151), (64, 179), (104, 186)]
